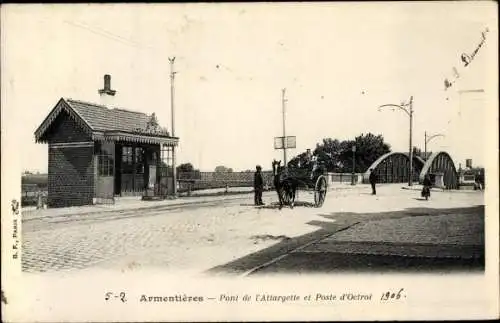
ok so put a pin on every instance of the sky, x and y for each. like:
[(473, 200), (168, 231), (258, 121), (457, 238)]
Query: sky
[(338, 63)]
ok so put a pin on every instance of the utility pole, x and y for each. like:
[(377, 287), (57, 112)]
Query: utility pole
[(425, 146), (353, 178), (410, 181), (283, 101), (172, 92)]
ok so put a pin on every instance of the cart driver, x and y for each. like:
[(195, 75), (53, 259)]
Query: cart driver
[(306, 163), (314, 163)]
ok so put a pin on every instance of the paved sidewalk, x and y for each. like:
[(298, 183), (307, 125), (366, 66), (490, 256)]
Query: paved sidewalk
[(135, 203), (448, 235), (435, 240)]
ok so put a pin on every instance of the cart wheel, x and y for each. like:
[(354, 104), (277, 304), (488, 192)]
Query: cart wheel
[(320, 191)]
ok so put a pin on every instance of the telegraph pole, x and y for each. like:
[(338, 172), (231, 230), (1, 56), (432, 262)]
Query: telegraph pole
[(172, 92), (425, 145), (410, 181), (283, 101)]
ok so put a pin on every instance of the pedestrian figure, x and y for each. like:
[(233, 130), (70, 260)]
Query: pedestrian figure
[(39, 202), (480, 181), (373, 181), (258, 185), (426, 191)]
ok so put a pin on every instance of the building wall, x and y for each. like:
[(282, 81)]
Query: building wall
[(71, 168), (65, 129)]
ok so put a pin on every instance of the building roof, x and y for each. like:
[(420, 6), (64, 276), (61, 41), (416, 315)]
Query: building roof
[(101, 118), (105, 123)]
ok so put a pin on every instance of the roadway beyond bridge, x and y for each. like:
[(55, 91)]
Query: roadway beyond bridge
[(394, 230)]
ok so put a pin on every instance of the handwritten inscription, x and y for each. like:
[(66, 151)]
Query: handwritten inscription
[(115, 296), (466, 60), (388, 296)]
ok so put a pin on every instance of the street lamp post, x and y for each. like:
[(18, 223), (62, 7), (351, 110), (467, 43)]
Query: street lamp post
[(407, 107), (353, 181), (429, 138)]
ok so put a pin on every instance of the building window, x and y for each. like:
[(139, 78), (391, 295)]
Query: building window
[(127, 155), (139, 160), (166, 161), (105, 165), (105, 158), (127, 160)]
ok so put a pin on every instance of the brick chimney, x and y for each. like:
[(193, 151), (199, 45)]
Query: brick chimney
[(107, 93)]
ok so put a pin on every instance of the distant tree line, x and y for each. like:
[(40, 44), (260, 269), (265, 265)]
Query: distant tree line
[(337, 156)]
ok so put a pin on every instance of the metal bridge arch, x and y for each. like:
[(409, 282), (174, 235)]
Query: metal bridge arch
[(441, 163), (393, 168)]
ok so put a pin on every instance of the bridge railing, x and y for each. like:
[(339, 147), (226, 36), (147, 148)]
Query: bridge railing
[(191, 181), (344, 178)]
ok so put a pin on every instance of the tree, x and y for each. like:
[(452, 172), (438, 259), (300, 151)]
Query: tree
[(368, 149), (330, 153), (337, 155), (223, 169), (187, 171), (185, 168)]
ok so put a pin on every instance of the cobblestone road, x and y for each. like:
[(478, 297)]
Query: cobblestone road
[(198, 237), (193, 237)]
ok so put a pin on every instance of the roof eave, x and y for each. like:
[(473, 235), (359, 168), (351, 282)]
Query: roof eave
[(53, 114), (134, 137)]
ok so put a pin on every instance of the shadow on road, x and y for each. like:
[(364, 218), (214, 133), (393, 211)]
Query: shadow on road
[(276, 205), (268, 237), (286, 256)]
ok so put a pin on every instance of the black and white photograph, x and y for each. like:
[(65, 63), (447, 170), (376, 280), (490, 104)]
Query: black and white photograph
[(249, 161)]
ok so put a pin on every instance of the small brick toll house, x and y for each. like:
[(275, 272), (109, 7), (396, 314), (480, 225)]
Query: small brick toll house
[(97, 153)]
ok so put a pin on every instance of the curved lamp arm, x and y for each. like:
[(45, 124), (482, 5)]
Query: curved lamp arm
[(433, 136), (395, 106)]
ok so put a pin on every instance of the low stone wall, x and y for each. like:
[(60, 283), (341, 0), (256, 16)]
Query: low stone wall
[(344, 178), (211, 180)]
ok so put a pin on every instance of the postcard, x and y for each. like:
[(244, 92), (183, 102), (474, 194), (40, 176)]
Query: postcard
[(249, 161)]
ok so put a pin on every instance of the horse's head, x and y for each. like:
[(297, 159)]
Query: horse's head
[(276, 166)]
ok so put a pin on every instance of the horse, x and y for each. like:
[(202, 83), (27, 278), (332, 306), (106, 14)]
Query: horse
[(277, 182), (285, 186)]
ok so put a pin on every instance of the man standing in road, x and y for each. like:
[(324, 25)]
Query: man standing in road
[(258, 185), (480, 180), (373, 181)]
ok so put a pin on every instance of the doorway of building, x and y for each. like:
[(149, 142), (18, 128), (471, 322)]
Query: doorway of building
[(105, 164)]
